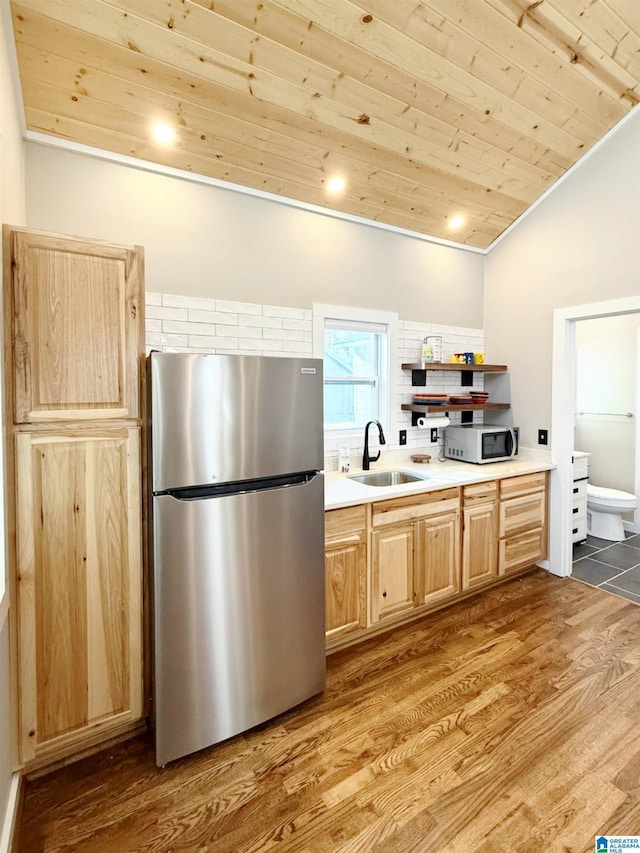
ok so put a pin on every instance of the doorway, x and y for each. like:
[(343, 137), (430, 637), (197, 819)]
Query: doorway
[(563, 395)]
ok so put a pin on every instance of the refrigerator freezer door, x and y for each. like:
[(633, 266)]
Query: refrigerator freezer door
[(239, 612), (223, 418)]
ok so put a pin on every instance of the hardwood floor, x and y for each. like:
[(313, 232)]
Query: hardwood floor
[(510, 722)]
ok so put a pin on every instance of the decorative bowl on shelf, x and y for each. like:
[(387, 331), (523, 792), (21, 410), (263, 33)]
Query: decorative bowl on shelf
[(461, 399), (430, 399)]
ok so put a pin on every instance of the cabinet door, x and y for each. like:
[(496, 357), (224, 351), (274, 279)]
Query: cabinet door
[(76, 310), (438, 556), (392, 570), (345, 571), (480, 545), (345, 586), (79, 598)]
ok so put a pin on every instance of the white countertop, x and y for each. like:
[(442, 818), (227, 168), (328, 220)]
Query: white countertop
[(340, 491)]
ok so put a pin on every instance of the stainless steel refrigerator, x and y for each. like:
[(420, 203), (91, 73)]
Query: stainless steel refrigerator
[(237, 543)]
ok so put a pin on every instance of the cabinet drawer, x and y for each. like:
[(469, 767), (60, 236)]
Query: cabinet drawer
[(480, 493), (339, 523), (520, 514), (398, 510), (579, 490), (579, 529), (580, 467), (521, 551), (512, 487)]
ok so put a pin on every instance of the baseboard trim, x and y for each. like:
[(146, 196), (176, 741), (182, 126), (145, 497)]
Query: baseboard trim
[(11, 814)]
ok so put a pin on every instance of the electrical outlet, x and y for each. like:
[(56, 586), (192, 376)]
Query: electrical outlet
[(434, 435), (543, 436), (403, 436)]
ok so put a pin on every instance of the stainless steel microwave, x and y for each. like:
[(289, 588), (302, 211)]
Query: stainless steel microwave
[(480, 443)]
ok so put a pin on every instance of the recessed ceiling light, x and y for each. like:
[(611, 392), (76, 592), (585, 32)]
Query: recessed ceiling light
[(163, 133), (456, 221), (336, 184)]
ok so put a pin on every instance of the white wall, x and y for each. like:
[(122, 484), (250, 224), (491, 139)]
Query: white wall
[(204, 241), (606, 379), (580, 245), (12, 210)]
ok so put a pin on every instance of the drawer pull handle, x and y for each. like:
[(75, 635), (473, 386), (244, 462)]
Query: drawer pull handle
[(575, 491), (575, 530), (575, 509)]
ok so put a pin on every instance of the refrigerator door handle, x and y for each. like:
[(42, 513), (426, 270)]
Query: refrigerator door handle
[(194, 493)]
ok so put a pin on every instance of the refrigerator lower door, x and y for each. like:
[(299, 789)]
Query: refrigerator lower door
[(239, 612)]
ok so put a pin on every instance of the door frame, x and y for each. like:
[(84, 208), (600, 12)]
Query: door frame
[(563, 404)]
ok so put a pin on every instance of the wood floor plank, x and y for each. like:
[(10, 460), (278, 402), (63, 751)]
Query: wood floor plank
[(508, 722)]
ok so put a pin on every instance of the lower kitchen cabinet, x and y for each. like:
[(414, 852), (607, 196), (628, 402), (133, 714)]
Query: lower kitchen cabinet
[(345, 571), (415, 551), (426, 550), (480, 534), (523, 522), (79, 588)]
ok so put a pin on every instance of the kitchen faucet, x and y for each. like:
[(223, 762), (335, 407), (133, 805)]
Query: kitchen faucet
[(366, 459)]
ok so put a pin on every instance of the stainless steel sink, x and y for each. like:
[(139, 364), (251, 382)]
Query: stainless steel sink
[(387, 478)]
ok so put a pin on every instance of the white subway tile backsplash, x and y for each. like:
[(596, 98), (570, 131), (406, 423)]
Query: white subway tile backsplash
[(300, 325), (238, 331), (184, 327), (152, 325), (283, 334), (238, 307), (152, 298), (156, 339), (200, 316), (297, 346), (156, 312), (260, 321), (170, 300), (212, 343), (288, 313), (258, 344)]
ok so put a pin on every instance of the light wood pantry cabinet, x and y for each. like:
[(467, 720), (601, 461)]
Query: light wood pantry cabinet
[(75, 313), (480, 534), (79, 589), (74, 349), (345, 571), (523, 522), (415, 545)]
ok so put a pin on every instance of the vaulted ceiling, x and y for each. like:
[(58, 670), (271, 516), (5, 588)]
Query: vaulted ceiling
[(427, 109)]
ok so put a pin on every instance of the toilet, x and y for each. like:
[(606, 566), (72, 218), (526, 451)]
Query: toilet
[(605, 508)]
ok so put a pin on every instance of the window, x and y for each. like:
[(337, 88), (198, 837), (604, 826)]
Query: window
[(355, 346)]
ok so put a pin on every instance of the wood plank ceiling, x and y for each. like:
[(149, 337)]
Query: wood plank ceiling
[(427, 108)]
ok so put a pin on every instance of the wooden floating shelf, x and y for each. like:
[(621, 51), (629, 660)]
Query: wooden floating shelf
[(449, 365), (454, 407)]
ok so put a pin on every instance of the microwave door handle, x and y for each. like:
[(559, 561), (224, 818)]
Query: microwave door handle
[(513, 443)]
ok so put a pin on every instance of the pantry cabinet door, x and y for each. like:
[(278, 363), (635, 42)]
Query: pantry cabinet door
[(79, 577), (75, 310)]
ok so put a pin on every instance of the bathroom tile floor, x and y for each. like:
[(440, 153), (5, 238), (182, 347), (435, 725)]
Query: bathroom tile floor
[(612, 566)]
